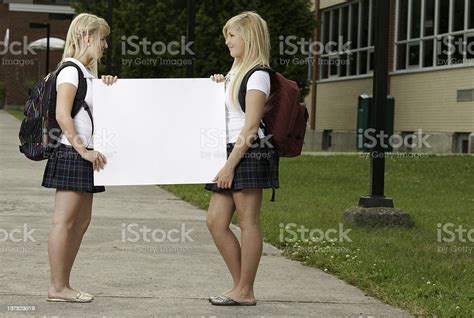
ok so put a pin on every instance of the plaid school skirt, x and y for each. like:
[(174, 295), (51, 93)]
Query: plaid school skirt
[(66, 170), (258, 169)]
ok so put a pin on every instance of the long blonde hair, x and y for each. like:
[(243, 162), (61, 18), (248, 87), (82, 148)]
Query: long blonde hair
[(254, 32), (85, 25)]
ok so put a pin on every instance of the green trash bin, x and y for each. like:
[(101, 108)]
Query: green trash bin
[(365, 139)]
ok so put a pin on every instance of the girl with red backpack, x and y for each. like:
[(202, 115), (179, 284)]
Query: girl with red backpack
[(251, 166)]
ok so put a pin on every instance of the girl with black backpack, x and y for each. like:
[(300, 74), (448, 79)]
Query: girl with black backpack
[(251, 164), (71, 165)]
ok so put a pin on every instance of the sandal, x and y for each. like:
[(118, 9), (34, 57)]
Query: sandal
[(227, 301), (81, 297), (216, 297)]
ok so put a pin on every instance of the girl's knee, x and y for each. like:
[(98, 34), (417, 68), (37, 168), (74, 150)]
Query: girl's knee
[(248, 221), (63, 224), (83, 225), (215, 225), (249, 225), (211, 223)]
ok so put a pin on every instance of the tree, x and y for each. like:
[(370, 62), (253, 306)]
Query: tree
[(142, 27)]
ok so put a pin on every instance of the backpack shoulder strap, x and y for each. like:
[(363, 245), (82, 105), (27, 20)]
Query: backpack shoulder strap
[(242, 95), (243, 85), (81, 89), (79, 99)]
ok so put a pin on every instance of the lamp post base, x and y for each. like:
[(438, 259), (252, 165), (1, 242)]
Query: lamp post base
[(377, 216), (373, 201)]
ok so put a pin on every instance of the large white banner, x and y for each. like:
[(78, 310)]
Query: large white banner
[(159, 131)]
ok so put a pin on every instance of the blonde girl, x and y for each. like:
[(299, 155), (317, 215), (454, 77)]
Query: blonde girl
[(70, 168), (251, 166)]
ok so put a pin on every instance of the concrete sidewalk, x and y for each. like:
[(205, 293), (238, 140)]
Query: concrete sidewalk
[(142, 279)]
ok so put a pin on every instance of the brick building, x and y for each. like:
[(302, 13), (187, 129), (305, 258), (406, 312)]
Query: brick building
[(20, 68), (433, 90)]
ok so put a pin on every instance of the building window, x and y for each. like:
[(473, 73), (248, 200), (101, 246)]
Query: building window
[(348, 39), (409, 137), (471, 14), (434, 33), (327, 139), (461, 142)]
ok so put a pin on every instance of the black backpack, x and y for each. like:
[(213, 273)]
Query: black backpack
[(39, 131)]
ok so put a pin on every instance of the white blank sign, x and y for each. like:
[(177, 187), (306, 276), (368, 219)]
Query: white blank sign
[(159, 131)]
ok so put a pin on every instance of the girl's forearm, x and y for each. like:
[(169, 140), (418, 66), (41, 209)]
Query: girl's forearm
[(70, 132), (246, 137)]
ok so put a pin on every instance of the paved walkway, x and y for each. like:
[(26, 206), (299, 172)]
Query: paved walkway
[(144, 279)]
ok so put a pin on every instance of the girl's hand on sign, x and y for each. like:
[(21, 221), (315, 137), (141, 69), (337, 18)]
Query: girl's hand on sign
[(109, 79), (218, 78)]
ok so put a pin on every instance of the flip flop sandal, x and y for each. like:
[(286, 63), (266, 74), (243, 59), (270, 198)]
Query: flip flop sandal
[(80, 298), (87, 294), (216, 297), (227, 301)]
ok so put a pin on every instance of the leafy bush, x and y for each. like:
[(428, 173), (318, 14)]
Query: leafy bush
[(166, 21)]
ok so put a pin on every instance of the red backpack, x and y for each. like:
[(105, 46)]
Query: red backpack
[(285, 116)]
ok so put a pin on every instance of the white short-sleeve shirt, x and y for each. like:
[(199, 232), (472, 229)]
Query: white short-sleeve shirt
[(82, 121), (235, 117)]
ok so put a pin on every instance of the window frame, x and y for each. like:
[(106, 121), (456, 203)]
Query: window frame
[(435, 38), (355, 52)]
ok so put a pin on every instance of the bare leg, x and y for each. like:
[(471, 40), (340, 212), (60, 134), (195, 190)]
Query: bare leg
[(219, 217), (81, 224), (67, 207), (248, 204)]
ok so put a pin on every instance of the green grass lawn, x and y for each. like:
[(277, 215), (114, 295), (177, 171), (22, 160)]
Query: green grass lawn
[(407, 268), (17, 113)]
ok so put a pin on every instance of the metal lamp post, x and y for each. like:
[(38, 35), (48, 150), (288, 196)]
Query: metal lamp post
[(376, 197), (46, 26)]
